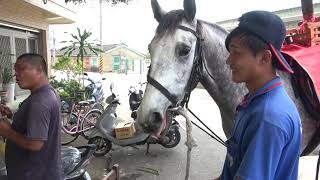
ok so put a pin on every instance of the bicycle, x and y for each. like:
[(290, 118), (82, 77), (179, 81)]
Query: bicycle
[(78, 121), (88, 104)]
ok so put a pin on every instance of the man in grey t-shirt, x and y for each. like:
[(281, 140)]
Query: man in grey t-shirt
[(33, 138)]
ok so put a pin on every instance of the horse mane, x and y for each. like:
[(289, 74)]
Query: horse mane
[(218, 29), (172, 19), (170, 22)]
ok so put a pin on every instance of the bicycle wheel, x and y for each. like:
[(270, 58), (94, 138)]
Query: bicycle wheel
[(89, 121), (98, 106), (69, 121)]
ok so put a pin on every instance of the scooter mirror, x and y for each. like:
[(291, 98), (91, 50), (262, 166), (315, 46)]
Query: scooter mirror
[(111, 86)]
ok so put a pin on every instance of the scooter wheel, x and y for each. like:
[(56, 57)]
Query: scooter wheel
[(174, 138), (103, 146)]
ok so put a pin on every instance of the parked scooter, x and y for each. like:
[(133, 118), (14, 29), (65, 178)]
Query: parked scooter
[(74, 162), (135, 98), (103, 135), (94, 89)]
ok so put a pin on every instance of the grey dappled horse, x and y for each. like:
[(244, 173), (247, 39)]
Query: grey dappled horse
[(185, 51)]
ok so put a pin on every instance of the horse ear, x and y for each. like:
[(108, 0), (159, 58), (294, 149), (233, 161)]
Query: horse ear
[(157, 10), (189, 9)]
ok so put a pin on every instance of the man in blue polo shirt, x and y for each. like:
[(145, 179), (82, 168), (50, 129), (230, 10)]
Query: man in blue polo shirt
[(266, 137)]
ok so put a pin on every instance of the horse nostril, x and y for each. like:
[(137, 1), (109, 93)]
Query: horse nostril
[(156, 117), (146, 128)]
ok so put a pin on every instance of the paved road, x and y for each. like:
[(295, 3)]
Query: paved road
[(207, 157)]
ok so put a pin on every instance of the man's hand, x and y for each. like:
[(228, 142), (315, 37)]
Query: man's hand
[(5, 111), (5, 126)]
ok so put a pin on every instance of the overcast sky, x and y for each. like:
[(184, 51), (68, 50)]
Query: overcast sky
[(134, 25)]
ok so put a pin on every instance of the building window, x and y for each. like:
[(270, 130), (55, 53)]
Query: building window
[(116, 63), (94, 62), (13, 43), (21, 46), (5, 51), (33, 47)]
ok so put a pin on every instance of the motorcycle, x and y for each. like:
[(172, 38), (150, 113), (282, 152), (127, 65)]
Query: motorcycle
[(103, 135), (135, 98), (74, 162), (93, 89)]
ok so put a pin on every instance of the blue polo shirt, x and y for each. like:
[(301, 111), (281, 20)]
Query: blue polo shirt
[(266, 138)]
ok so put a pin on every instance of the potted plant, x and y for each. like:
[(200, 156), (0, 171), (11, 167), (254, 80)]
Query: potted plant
[(7, 83)]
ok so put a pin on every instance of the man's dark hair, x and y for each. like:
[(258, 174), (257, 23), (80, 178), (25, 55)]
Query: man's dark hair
[(35, 60), (254, 43)]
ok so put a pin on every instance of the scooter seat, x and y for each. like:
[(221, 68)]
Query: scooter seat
[(84, 103), (70, 158), (91, 101)]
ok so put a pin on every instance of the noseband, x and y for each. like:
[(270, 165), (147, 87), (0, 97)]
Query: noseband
[(194, 76)]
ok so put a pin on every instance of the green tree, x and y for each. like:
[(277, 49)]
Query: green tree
[(81, 45), (66, 65)]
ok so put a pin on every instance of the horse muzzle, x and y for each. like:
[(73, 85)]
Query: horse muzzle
[(153, 124)]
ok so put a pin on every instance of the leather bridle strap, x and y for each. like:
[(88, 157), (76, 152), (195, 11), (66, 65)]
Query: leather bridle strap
[(192, 80), (189, 30), (196, 67), (173, 99)]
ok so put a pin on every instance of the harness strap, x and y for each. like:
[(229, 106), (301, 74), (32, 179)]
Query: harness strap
[(192, 82), (189, 30), (194, 76), (196, 67), (173, 99)]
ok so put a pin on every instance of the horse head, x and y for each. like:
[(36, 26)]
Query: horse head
[(172, 52)]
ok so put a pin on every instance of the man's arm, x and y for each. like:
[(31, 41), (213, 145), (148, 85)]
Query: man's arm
[(19, 139)]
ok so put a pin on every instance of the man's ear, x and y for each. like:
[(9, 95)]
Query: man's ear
[(39, 69), (266, 57)]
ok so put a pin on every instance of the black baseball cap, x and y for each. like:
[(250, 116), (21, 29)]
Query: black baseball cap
[(268, 27)]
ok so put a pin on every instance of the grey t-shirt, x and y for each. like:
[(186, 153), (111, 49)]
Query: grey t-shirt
[(38, 118)]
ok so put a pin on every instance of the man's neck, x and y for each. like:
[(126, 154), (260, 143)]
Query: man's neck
[(40, 84), (258, 82)]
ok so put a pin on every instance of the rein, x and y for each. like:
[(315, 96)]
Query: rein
[(195, 75)]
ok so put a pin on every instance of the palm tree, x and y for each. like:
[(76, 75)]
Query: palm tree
[(80, 44)]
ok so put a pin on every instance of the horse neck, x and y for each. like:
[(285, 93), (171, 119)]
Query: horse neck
[(225, 93)]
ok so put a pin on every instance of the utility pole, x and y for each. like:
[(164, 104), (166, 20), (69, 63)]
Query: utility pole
[(101, 47)]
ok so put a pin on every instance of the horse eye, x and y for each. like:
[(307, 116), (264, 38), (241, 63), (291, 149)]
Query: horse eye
[(183, 51)]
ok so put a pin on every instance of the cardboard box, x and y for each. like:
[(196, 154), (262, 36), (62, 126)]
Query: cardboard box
[(125, 130)]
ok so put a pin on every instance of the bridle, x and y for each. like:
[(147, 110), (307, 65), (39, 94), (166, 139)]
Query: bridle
[(194, 75)]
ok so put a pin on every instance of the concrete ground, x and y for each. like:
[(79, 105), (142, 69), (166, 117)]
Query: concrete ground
[(207, 157), (206, 160)]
